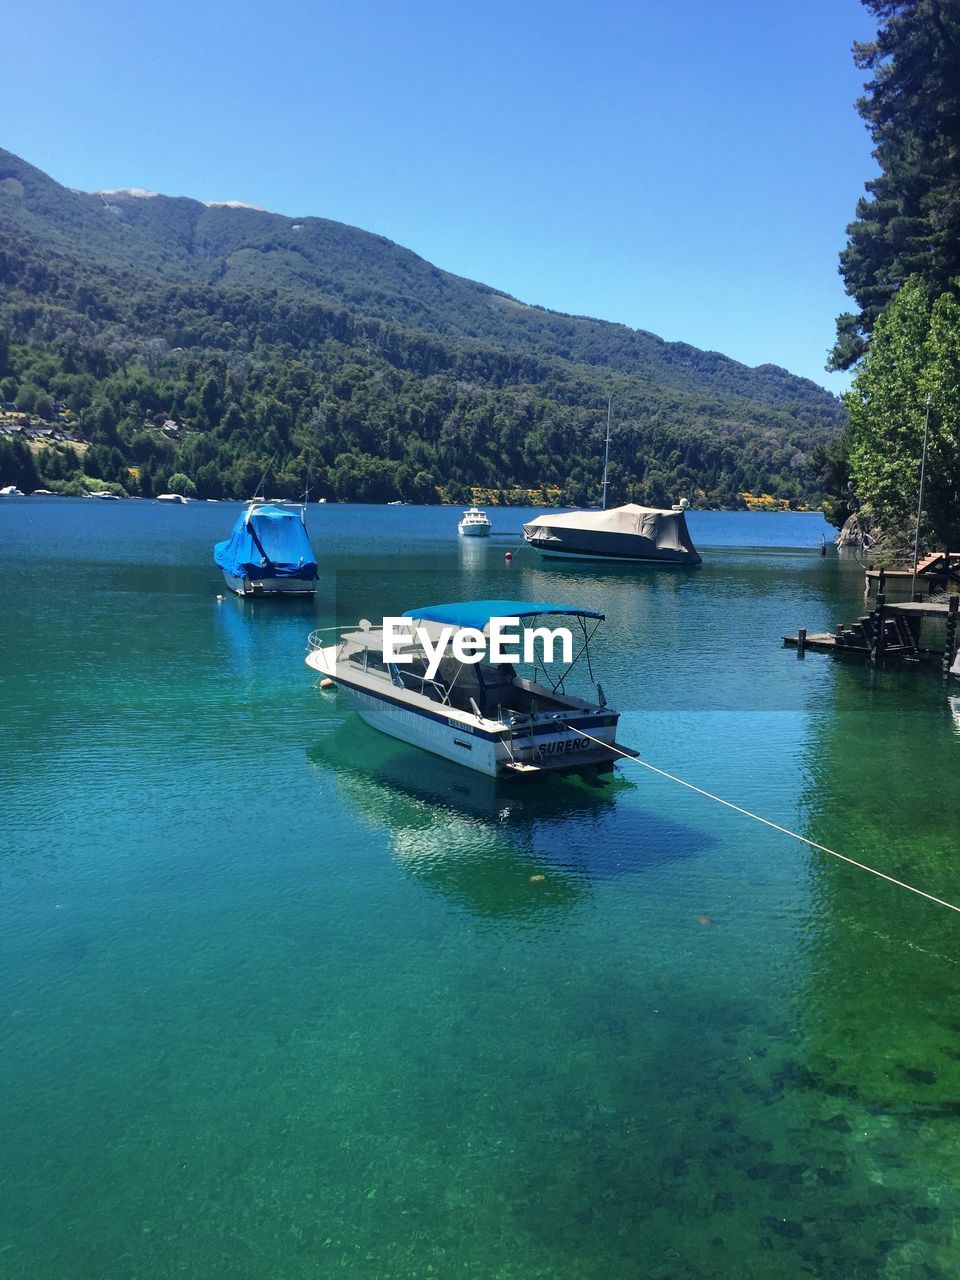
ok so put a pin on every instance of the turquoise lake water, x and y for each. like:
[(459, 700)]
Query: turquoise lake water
[(281, 998)]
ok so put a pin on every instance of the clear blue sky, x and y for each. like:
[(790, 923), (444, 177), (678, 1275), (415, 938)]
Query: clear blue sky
[(686, 167)]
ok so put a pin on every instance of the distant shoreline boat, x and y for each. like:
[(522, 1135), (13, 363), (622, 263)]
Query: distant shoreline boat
[(268, 553), (171, 497), (474, 524)]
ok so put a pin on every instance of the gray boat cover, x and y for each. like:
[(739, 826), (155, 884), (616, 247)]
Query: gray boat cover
[(631, 532)]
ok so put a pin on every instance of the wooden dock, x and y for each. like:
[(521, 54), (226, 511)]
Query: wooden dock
[(889, 632), (939, 571)]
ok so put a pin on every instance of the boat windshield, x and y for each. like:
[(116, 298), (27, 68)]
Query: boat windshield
[(492, 689)]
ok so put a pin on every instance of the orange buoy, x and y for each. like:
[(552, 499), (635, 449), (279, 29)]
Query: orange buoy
[(327, 684), (704, 920)]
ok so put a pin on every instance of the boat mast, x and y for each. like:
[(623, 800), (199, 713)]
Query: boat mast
[(606, 452), (258, 492)]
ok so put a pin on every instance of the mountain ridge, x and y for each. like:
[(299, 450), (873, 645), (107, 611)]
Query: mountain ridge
[(127, 276), (209, 239)]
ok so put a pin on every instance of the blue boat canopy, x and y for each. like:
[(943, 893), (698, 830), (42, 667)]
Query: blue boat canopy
[(477, 613), (270, 543)]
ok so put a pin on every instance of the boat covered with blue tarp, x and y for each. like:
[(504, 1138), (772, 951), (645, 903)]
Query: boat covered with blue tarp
[(268, 553)]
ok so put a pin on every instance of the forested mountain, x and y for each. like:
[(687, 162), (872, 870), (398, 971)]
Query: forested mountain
[(362, 366)]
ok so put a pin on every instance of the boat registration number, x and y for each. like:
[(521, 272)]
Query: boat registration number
[(563, 745)]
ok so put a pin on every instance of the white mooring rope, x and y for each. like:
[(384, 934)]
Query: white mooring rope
[(901, 884)]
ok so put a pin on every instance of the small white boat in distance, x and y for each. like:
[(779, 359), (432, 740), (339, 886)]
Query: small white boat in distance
[(11, 491), (474, 524), (171, 497), (483, 715)]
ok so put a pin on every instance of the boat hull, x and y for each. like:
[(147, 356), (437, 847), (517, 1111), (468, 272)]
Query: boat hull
[(620, 548), (269, 586), (609, 557), (474, 531), (442, 739)]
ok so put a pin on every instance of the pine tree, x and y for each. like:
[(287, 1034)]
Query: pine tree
[(909, 222)]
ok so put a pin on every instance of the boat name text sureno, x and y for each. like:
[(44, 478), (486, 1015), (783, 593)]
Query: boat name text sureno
[(470, 645)]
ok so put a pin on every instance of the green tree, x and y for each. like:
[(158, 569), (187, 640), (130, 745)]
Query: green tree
[(43, 406), (27, 397), (210, 399), (179, 483), (941, 382), (909, 222), (913, 356), (831, 465), (210, 481)]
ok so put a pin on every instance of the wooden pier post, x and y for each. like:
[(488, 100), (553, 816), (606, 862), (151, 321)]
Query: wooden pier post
[(879, 623), (950, 647), (801, 641)]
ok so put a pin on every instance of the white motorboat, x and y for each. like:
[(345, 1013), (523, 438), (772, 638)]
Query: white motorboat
[(171, 497), (484, 715), (474, 524), (11, 491)]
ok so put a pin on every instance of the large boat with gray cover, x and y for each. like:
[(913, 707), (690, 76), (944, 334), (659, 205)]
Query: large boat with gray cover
[(623, 534)]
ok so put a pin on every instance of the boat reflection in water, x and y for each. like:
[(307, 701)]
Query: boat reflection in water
[(501, 850), (472, 554)]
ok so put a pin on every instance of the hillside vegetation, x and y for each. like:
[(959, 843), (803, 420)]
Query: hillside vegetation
[(198, 342)]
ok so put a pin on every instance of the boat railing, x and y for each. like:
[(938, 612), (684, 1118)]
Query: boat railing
[(407, 678), (314, 641)]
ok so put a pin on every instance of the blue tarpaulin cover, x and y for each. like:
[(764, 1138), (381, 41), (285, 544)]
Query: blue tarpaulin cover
[(270, 543)]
